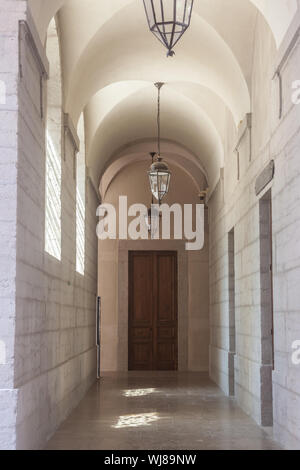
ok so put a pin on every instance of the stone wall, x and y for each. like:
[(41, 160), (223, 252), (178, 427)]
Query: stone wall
[(9, 70), (47, 309), (234, 204), (55, 315)]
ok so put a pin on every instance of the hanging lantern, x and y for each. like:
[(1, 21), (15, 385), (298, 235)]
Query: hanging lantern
[(168, 20), (159, 174)]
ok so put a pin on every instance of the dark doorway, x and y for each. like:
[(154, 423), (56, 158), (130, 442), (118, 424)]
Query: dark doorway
[(231, 297), (266, 301), (153, 323)]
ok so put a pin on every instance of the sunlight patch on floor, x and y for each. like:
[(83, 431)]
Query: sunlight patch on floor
[(140, 392), (133, 421)]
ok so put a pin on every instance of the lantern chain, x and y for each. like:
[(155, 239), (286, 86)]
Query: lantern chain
[(158, 121), (159, 85)]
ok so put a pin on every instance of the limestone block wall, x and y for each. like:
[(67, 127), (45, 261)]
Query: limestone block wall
[(47, 315), (285, 147), (9, 70), (234, 204), (55, 314)]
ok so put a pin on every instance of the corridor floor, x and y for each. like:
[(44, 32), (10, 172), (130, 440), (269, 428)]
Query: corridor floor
[(158, 411)]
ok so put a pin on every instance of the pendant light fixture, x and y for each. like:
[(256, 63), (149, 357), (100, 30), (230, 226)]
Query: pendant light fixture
[(168, 20), (159, 174)]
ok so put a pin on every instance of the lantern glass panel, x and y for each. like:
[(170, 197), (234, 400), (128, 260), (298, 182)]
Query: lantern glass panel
[(168, 10), (150, 14), (163, 183), (154, 184), (180, 11), (188, 12), (158, 11), (159, 182)]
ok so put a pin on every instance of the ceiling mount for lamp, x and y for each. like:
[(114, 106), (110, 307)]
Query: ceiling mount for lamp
[(159, 174), (168, 20)]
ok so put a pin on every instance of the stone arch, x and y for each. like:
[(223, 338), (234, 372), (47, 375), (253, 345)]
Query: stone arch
[(135, 152), (135, 119), (278, 16), (127, 61)]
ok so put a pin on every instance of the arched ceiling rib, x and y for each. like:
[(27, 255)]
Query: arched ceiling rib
[(74, 20), (112, 57), (109, 57), (278, 13), (77, 38), (103, 102), (134, 118), (135, 153), (42, 12)]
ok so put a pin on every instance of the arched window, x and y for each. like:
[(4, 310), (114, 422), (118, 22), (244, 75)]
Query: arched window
[(53, 146), (80, 200)]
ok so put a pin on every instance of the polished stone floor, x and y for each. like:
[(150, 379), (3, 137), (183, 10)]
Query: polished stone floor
[(159, 411)]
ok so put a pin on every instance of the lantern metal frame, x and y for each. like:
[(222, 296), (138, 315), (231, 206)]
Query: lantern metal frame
[(168, 30)]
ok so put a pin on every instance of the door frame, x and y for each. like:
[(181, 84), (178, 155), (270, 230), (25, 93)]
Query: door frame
[(266, 307), (182, 296), (174, 254)]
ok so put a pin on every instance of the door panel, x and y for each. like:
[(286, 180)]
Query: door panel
[(140, 312), (152, 311), (165, 287), (166, 319), (165, 356)]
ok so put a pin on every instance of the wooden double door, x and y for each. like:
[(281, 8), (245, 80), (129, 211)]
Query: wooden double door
[(153, 324)]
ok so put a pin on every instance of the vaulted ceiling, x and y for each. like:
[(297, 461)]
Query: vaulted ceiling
[(110, 61)]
